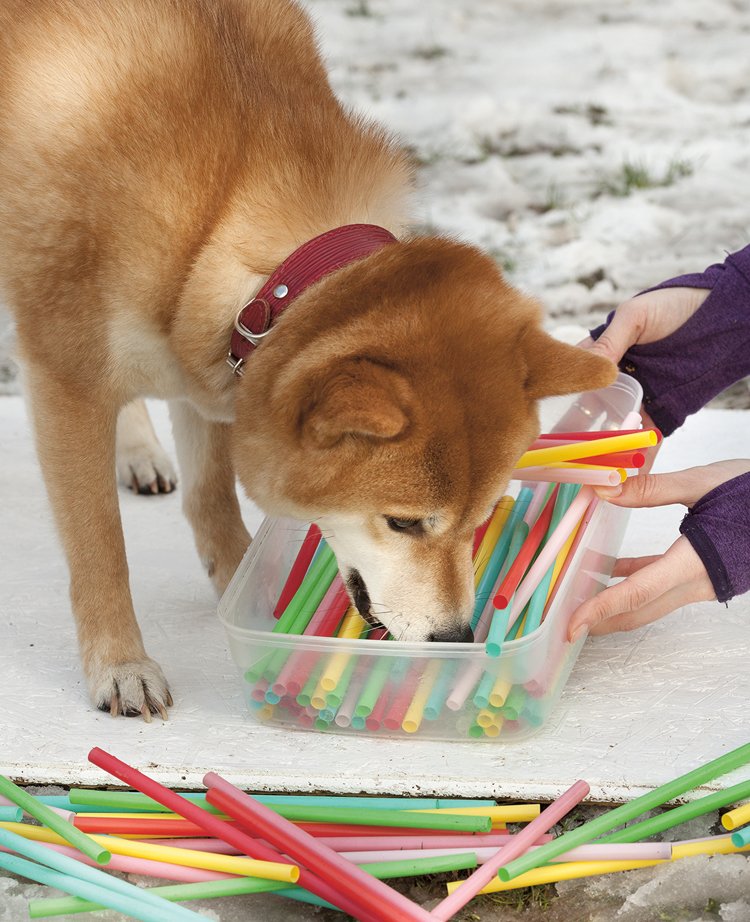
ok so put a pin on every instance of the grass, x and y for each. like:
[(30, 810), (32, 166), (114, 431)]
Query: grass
[(634, 174)]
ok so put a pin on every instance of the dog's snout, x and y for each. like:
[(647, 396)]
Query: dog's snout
[(461, 633), (358, 592)]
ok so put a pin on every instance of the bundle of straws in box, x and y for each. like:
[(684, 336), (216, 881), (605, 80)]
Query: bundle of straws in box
[(514, 670), (333, 852)]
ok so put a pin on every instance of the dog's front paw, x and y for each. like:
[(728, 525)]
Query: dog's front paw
[(146, 469), (132, 689)]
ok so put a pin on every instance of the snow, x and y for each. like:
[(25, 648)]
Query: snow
[(533, 122)]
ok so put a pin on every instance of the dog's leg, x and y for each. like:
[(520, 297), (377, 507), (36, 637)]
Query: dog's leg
[(75, 435), (209, 496), (142, 464)]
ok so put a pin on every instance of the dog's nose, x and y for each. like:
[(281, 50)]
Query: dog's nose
[(459, 634)]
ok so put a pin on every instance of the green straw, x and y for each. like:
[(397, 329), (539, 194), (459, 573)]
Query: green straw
[(97, 801), (54, 822), (382, 870), (374, 686), (334, 698), (627, 812), (305, 696), (514, 703), (69, 869), (680, 814), (360, 816)]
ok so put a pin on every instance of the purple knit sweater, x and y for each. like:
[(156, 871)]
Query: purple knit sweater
[(679, 375)]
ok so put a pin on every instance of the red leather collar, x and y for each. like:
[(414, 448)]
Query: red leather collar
[(306, 265)]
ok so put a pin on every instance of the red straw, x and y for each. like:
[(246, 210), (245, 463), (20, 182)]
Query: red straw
[(530, 546), (318, 830), (371, 895), (218, 828), (375, 718), (599, 434), (299, 568), (402, 699), (617, 459), (479, 534)]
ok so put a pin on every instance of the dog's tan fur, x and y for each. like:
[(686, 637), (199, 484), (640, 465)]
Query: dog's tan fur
[(158, 158)]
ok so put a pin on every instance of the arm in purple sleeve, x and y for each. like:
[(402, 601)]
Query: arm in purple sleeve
[(711, 351), (718, 527)]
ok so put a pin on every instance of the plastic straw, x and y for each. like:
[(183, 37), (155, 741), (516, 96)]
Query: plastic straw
[(591, 448), (618, 816), (361, 889), (737, 817), (605, 477), (517, 846), (10, 814), (212, 826), (45, 815), (415, 712), (299, 568), (588, 435), (131, 904), (500, 515), (741, 837), (681, 814), (68, 868)]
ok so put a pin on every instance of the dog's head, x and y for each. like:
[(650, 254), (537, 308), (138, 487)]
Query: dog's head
[(390, 405)]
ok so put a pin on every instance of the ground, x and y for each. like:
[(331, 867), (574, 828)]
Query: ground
[(594, 147)]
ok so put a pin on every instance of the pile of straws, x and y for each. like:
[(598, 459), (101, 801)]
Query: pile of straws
[(333, 852), (521, 555)]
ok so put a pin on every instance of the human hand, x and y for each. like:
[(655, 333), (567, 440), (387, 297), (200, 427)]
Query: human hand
[(647, 318), (657, 585)]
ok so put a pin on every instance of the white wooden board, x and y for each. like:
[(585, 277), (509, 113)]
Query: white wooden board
[(639, 708)]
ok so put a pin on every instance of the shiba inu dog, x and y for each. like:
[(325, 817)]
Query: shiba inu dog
[(159, 159)]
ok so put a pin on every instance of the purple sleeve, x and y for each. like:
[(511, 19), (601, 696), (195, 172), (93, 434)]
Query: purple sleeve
[(718, 527), (711, 351)]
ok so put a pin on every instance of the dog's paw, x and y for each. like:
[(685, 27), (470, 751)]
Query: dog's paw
[(132, 689), (221, 566), (146, 469)]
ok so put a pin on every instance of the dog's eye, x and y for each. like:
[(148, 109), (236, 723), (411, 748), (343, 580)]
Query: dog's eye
[(403, 524)]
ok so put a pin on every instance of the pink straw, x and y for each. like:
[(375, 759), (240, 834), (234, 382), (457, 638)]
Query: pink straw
[(396, 843), (375, 899), (536, 504), (520, 844), (568, 475)]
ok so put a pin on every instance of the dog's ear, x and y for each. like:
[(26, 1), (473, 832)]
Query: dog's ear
[(555, 368), (357, 398)]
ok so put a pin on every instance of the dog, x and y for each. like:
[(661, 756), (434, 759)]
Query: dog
[(159, 160)]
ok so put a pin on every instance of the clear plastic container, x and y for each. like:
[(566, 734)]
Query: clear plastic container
[(429, 690)]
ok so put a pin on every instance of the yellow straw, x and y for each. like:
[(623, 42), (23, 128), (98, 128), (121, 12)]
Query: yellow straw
[(499, 517), (186, 857), (500, 692), (415, 712), (513, 813), (571, 870), (493, 730), (589, 449), (351, 628), (737, 817), (485, 718)]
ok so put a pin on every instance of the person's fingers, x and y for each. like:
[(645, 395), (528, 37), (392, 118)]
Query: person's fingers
[(627, 325), (665, 604), (678, 569), (626, 566), (686, 486)]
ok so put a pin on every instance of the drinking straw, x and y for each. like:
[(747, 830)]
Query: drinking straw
[(345, 712), (499, 517), (299, 568), (681, 814), (567, 553), (589, 435), (492, 839), (324, 623), (505, 813), (362, 890), (525, 554), (741, 837), (336, 697), (68, 868), (479, 534), (482, 694), (351, 628), (305, 696), (737, 817), (416, 819), (435, 702), (499, 692), (628, 459), (131, 904), (548, 553), (641, 439), (519, 844), (594, 828), (374, 685), (147, 867), (415, 712), (605, 477), (309, 595), (45, 815), (66, 814), (539, 499), (212, 826), (10, 814), (402, 696)]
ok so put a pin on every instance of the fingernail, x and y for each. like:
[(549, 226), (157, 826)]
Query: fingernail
[(579, 632)]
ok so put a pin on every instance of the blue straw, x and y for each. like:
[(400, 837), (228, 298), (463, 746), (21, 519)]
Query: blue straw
[(498, 628), (111, 891), (741, 837), (499, 553), (482, 694), (436, 700), (11, 814)]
